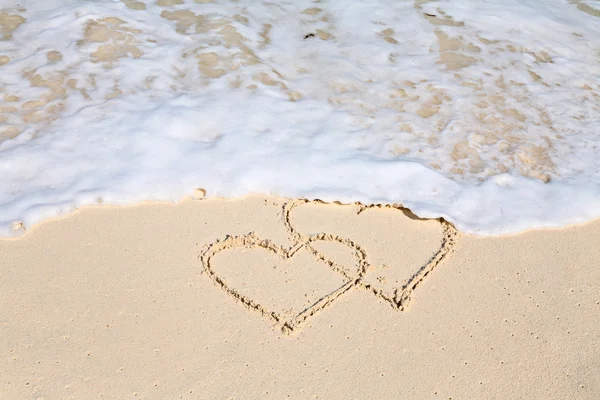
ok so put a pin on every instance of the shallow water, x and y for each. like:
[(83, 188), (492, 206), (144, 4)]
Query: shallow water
[(485, 114)]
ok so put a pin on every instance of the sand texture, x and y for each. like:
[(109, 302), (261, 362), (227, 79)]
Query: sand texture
[(265, 298)]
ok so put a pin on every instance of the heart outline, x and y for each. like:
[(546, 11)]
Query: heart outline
[(403, 295), (251, 241)]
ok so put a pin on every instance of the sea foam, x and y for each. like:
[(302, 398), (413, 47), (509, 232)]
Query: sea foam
[(483, 113)]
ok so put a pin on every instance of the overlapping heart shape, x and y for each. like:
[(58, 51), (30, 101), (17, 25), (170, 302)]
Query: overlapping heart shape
[(352, 277)]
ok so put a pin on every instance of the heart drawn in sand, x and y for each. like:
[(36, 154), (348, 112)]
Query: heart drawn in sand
[(289, 320), (324, 279)]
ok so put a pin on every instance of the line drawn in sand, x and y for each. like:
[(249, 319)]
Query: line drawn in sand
[(291, 321)]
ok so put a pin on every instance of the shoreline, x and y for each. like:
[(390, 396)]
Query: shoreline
[(19, 230)]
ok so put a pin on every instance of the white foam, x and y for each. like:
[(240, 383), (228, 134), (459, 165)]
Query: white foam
[(484, 114)]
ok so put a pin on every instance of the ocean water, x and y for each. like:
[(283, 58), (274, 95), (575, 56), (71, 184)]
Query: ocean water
[(486, 113)]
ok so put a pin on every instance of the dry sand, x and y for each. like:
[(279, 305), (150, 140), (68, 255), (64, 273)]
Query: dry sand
[(167, 302)]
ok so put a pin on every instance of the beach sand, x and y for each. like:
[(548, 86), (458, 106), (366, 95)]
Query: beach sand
[(163, 301)]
